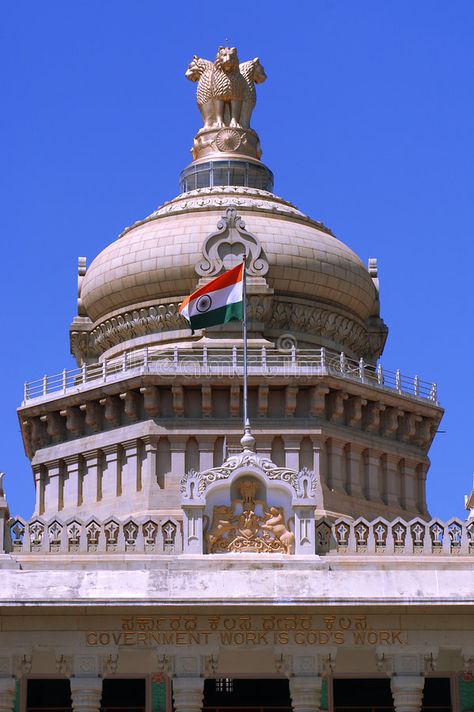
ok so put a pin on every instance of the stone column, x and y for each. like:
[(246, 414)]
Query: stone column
[(71, 483), (86, 693), (90, 477), (374, 476), (149, 467), (178, 453), (305, 693), (110, 486), (130, 468), (338, 475), (39, 487), (407, 692), (292, 452), (411, 494), (319, 458), (421, 485), (354, 464), (188, 694), (206, 451), (393, 480), (51, 493), (7, 693)]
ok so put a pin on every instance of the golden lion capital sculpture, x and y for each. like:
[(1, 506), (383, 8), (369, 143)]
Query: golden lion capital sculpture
[(226, 93)]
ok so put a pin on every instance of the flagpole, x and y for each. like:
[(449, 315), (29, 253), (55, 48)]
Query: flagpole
[(247, 441), (244, 328)]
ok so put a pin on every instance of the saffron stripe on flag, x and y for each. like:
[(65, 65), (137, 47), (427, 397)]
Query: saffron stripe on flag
[(230, 277)]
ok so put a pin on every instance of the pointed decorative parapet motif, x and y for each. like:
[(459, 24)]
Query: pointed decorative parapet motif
[(226, 98)]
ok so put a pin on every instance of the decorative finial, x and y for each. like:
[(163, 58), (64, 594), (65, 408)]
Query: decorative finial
[(226, 97), (2, 475), (248, 441)]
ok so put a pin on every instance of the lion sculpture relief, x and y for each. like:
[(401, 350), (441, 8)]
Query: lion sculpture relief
[(226, 93)]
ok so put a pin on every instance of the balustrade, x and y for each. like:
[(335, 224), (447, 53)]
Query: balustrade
[(152, 535)]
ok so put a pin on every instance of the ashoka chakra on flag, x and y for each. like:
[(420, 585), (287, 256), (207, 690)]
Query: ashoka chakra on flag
[(217, 302)]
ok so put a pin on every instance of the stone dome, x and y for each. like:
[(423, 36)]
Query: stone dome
[(312, 285)]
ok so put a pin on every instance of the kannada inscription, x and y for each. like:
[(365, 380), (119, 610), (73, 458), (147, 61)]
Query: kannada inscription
[(246, 630)]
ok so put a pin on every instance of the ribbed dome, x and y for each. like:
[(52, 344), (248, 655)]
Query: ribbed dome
[(321, 289), (157, 258)]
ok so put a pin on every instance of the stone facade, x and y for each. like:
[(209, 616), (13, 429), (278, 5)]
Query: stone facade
[(163, 543)]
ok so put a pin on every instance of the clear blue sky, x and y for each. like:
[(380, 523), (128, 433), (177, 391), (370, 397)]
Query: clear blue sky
[(366, 120)]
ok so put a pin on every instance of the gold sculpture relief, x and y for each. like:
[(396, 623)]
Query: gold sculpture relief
[(248, 525)]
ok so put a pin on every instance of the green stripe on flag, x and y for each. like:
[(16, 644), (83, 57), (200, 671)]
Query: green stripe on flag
[(218, 316)]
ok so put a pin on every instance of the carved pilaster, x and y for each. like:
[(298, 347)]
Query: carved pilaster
[(206, 451), (354, 467), (53, 487), (374, 479), (90, 477), (130, 472), (86, 694), (150, 465), (111, 485), (188, 694), (393, 479), (305, 693), (407, 692), (71, 482)]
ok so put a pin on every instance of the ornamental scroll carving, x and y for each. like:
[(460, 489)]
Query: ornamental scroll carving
[(243, 459), (231, 240), (249, 525)]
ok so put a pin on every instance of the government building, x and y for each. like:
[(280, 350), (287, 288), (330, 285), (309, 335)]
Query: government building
[(183, 558)]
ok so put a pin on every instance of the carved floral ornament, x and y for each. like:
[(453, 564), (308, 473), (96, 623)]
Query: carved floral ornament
[(231, 239)]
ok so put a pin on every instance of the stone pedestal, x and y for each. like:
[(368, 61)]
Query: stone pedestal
[(188, 694), (407, 692), (86, 693), (305, 693), (7, 693)]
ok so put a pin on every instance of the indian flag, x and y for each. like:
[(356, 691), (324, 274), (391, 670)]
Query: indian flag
[(218, 302)]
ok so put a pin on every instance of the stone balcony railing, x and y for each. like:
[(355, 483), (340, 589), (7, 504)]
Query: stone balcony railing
[(214, 363), (154, 536)]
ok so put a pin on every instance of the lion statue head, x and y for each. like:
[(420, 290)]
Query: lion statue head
[(227, 59)]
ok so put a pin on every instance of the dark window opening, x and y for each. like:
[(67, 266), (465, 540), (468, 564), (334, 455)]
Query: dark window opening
[(47, 695), (246, 695), (124, 695)]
